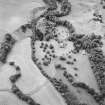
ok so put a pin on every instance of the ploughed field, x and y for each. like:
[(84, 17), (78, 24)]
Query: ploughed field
[(57, 58)]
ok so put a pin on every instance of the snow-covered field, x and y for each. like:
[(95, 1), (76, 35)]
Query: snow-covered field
[(13, 14)]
